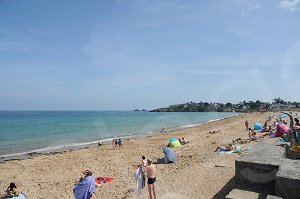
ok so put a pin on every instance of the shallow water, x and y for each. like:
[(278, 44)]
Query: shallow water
[(28, 131)]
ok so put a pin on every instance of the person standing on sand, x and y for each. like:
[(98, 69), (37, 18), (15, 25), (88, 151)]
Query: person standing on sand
[(150, 169), (85, 188), (116, 143), (143, 164), (120, 142), (247, 125), (113, 144)]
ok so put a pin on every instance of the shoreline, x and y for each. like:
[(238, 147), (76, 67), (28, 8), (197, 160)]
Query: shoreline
[(52, 150), (55, 174)]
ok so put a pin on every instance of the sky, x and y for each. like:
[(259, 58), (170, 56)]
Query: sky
[(128, 54)]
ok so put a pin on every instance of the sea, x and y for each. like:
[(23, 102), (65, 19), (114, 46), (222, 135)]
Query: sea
[(23, 132)]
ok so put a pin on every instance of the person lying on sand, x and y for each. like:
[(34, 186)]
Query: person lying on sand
[(10, 192), (240, 141), (85, 188), (226, 148), (213, 132)]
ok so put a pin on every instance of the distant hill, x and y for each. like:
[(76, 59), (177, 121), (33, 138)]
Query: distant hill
[(277, 104)]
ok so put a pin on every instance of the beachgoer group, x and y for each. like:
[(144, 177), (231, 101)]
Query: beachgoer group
[(117, 143)]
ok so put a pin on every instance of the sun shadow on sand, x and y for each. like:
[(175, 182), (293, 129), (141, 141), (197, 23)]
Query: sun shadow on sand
[(225, 190), (230, 185)]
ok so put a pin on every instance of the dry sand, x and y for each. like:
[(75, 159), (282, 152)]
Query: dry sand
[(199, 173)]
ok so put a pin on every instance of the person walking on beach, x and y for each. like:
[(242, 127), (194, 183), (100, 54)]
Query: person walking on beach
[(120, 142), (247, 125), (116, 143), (150, 169), (113, 144)]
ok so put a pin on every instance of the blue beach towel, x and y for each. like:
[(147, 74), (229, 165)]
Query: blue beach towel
[(20, 196), (84, 188)]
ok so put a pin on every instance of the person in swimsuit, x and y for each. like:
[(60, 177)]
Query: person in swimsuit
[(150, 169), (10, 192), (116, 143), (226, 148)]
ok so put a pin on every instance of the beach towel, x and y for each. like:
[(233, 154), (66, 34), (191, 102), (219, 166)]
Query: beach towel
[(20, 196), (138, 174), (237, 149), (100, 180), (224, 152), (85, 188)]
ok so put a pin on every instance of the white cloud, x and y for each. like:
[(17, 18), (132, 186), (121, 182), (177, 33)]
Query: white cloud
[(290, 4)]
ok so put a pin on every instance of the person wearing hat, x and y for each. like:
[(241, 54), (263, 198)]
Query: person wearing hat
[(85, 188)]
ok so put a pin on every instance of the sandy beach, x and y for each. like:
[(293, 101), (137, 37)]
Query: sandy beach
[(199, 173)]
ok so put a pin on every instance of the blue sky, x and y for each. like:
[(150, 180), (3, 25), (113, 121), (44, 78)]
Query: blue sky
[(121, 55)]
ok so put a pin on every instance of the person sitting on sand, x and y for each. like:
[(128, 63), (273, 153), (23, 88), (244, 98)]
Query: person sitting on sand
[(297, 122), (180, 141), (250, 133), (10, 192), (226, 148), (163, 130), (240, 141), (253, 137), (85, 188), (184, 141), (296, 127)]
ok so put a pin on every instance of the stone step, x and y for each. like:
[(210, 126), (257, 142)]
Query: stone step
[(242, 194), (273, 197), (257, 167)]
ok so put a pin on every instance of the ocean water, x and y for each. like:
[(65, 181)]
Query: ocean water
[(33, 131)]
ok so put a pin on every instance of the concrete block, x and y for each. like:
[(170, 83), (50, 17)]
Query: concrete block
[(273, 197), (257, 168), (288, 179), (242, 194)]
